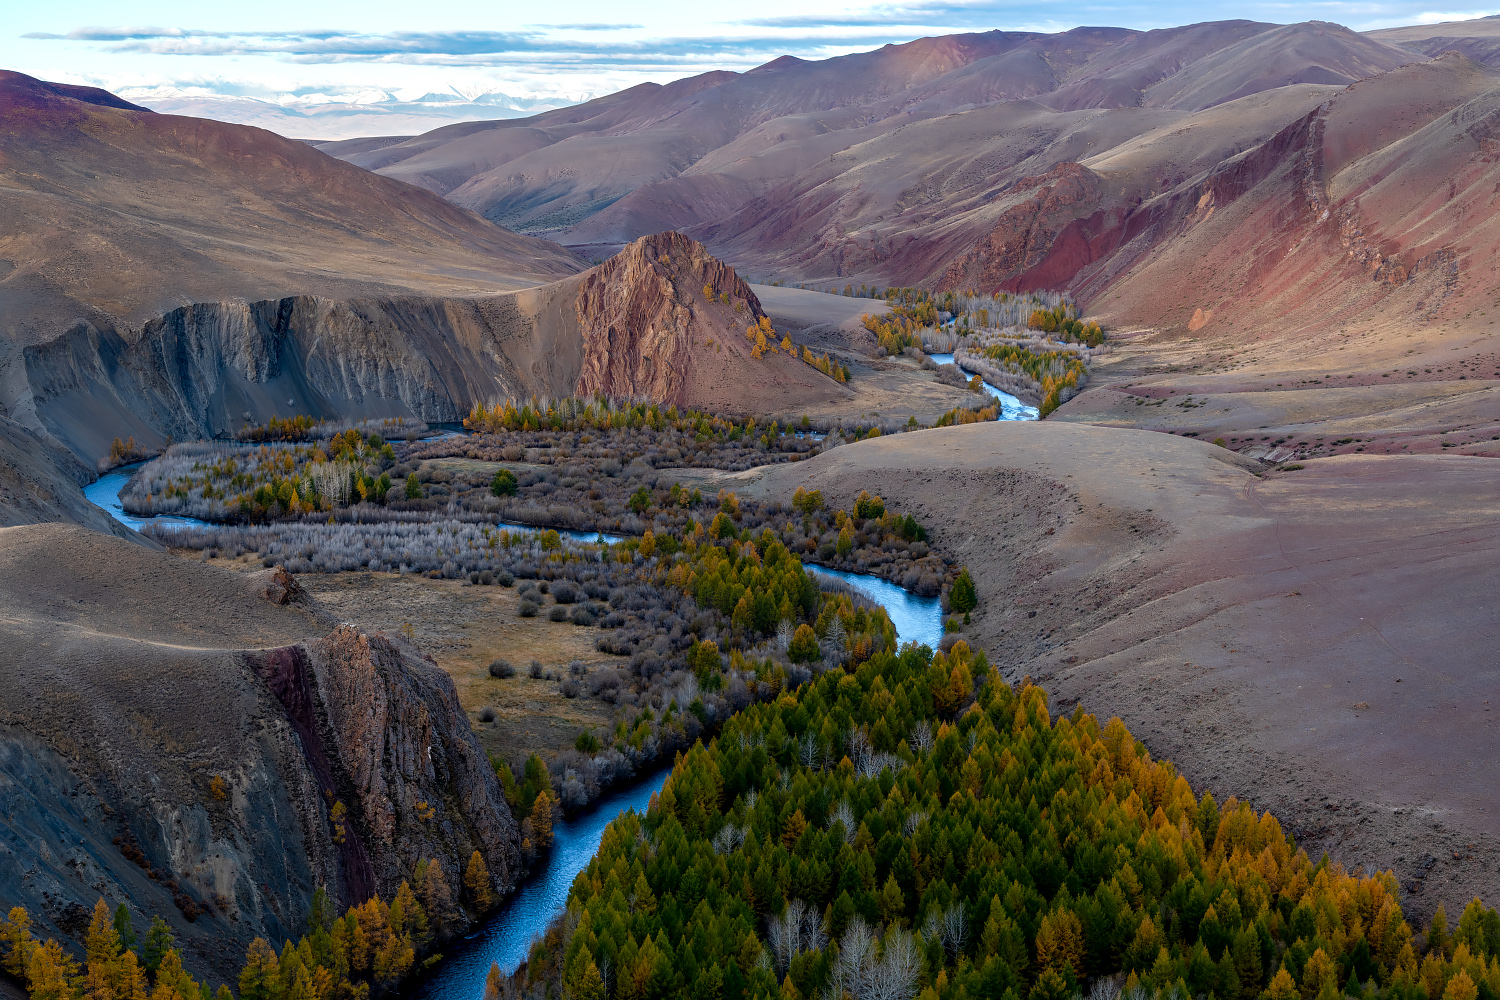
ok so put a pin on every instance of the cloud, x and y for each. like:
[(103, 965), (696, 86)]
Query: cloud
[(452, 48), (940, 14)]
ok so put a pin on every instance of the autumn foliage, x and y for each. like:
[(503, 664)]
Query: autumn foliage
[(920, 824)]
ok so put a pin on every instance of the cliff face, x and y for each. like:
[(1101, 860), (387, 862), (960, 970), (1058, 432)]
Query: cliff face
[(664, 319), (639, 325), (383, 731), (184, 746), (204, 369)]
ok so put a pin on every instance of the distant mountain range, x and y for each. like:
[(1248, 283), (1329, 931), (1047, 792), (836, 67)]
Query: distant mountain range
[(342, 116), (1229, 169)]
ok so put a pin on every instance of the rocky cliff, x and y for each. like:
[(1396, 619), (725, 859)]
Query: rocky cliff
[(639, 325), (666, 320), (205, 369), (172, 739)]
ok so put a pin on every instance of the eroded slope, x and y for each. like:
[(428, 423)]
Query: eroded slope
[(177, 736)]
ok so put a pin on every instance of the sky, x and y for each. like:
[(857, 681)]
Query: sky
[(358, 49)]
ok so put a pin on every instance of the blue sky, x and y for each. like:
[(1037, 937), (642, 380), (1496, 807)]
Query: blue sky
[(280, 47)]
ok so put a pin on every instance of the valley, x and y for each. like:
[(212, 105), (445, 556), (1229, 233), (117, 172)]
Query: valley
[(1012, 513)]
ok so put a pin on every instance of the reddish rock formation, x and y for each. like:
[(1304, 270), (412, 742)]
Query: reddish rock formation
[(666, 320), (381, 731), (176, 737)]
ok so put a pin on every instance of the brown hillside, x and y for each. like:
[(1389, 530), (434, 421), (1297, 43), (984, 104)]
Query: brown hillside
[(166, 277), (1479, 38), (109, 209), (719, 153), (135, 679)]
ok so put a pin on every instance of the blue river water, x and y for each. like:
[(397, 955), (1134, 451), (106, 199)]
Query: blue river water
[(1011, 408), (506, 937), (104, 493), (917, 619)]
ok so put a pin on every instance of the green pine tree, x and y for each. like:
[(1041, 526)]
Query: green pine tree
[(962, 597), (504, 484)]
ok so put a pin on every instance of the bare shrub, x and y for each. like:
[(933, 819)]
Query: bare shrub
[(502, 669)]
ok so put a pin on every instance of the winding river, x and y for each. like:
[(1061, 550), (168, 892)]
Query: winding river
[(104, 493), (1011, 408), (506, 937)]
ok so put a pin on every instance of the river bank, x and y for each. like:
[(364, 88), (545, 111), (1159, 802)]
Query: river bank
[(505, 937)]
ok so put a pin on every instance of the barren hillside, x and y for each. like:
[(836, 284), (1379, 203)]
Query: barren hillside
[(1233, 183), (727, 149)]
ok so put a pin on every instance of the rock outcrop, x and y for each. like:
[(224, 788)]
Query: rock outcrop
[(172, 740), (666, 320)]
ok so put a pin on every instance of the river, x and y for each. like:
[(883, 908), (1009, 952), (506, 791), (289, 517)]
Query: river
[(1011, 408), (917, 619), (104, 493), (506, 937)]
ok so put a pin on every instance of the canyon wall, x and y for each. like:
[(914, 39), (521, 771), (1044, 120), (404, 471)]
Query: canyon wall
[(639, 326), (206, 369)]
